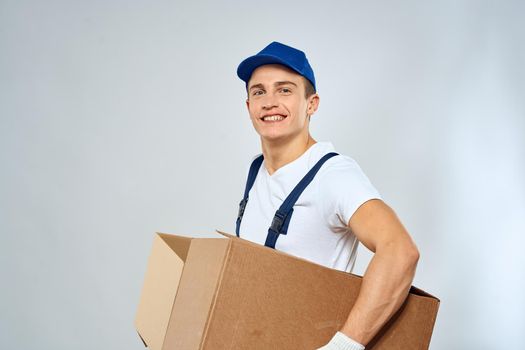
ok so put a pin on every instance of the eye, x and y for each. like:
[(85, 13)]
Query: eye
[(257, 92), (286, 90)]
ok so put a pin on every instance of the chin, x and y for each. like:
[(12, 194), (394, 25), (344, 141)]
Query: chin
[(274, 137)]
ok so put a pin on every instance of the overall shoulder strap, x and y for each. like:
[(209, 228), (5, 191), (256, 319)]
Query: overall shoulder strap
[(252, 174), (283, 215)]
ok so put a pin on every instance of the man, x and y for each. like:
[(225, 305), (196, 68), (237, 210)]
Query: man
[(332, 209)]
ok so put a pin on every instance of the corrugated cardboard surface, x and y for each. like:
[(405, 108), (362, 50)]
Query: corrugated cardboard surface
[(196, 293), (234, 294), (160, 287), (269, 301)]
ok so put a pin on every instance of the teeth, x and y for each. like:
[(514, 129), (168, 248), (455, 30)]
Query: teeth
[(273, 118)]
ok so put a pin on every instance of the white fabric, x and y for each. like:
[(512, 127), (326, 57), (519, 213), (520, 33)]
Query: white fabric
[(318, 228), (341, 341)]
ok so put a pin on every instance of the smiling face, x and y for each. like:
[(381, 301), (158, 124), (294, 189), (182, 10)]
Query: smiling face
[(277, 104)]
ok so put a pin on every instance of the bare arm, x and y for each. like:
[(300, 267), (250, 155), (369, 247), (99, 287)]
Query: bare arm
[(390, 273)]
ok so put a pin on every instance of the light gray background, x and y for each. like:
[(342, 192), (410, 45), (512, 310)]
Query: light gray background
[(122, 118)]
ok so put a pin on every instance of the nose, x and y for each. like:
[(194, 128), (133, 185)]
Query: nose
[(269, 101)]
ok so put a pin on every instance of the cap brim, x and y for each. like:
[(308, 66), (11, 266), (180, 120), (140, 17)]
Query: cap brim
[(246, 68)]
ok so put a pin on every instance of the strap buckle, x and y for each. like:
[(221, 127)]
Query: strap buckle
[(278, 221), (242, 207)]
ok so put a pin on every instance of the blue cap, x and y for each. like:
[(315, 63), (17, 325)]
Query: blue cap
[(277, 53)]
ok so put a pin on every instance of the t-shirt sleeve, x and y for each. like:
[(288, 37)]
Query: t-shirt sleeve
[(344, 187)]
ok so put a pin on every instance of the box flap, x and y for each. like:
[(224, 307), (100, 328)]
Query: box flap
[(227, 235), (197, 292), (420, 292), (164, 269), (179, 244)]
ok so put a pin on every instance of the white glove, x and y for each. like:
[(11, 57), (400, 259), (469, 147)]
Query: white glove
[(342, 342)]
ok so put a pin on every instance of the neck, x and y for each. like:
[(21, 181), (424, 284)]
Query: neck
[(278, 154)]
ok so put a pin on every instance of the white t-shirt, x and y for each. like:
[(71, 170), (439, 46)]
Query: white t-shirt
[(318, 230)]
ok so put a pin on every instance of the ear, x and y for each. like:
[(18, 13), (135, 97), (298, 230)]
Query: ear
[(248, 105), (313, 104)]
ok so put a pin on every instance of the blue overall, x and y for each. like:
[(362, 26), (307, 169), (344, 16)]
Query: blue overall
[(283, 215)]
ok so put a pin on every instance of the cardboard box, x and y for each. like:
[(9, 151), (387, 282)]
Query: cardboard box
[(229, 293)]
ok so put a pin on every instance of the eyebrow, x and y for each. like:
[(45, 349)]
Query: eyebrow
[(257, 86), (278, 83)]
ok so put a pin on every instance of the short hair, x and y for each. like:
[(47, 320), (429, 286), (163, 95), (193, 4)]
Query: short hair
[(308, 88)]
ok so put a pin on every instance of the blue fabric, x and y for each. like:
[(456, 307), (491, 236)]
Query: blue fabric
[(282, 217), (252, 175), (277, 53)]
